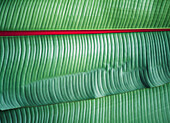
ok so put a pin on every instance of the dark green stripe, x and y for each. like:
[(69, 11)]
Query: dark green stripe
[(141, 106), (40, 70)]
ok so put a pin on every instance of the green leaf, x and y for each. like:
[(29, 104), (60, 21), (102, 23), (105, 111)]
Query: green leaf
[(41, 70), (141, 106), (83, 14)]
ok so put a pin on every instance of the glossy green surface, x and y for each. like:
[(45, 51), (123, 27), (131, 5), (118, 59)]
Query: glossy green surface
[(141, 106), (41, 70), (83, 14)]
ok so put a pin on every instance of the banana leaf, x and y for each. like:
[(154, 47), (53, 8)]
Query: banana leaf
[(83, 14), (50, 69), (141, 106)]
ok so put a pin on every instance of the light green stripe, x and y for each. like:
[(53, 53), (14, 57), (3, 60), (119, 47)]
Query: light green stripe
[(83, 14)]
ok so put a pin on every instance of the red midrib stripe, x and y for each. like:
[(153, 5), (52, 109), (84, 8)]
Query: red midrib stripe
[(69, 32)]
